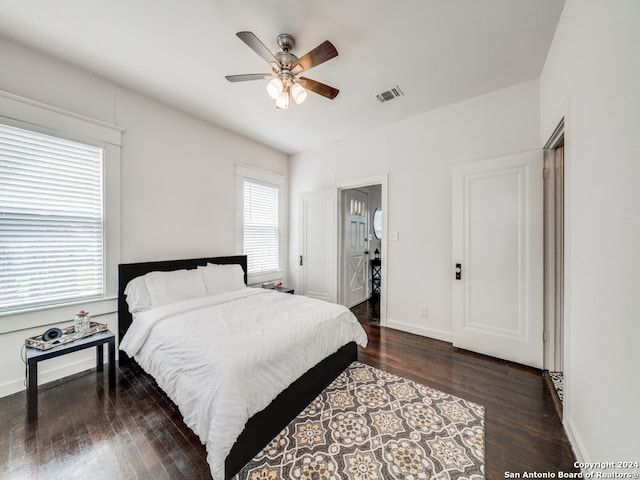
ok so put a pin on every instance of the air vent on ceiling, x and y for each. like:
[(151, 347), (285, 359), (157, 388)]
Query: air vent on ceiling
[(395, 92)]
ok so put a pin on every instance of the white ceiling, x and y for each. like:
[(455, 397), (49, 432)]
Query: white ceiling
[(178, 51)]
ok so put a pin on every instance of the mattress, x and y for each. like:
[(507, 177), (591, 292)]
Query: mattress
[(225, 357)]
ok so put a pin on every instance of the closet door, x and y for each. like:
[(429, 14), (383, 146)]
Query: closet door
[(498, 245)]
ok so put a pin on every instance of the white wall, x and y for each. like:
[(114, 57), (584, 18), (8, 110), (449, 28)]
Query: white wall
[(591, 77), (418, 154), (177, 184), (178, 181), (313, 170)]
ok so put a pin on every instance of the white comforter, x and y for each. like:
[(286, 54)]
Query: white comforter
[(223, 358)]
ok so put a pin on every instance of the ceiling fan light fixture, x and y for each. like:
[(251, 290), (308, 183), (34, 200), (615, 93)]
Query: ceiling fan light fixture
[(282, 102), (284, 82), (298, 93), (274, 88)]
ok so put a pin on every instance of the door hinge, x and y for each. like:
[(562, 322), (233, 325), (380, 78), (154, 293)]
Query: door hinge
[(300, 260), (545, 336)]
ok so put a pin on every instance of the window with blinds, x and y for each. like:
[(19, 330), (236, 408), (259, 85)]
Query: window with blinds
[(51, 220), (261, 227)]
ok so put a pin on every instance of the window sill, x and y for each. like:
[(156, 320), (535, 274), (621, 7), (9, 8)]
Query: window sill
[(42, 316), (264, 277)]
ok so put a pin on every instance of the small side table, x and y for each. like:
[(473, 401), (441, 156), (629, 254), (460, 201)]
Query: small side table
[(282, 289), (34, 356), (376, 274)]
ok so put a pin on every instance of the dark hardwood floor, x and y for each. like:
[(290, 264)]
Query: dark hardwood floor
[(368, 312), (523, 432), (85, 431)]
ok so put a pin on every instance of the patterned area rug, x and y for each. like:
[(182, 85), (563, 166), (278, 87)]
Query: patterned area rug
[(372, 425), (558, 381)]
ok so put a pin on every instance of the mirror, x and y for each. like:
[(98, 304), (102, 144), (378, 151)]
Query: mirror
[(377, 223)]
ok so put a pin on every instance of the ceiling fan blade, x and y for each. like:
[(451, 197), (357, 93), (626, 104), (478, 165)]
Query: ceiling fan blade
[(257, 46), (319, 88), (247, 76), (323, 52)]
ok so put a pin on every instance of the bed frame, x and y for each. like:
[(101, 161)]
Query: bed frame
[(265, 425)]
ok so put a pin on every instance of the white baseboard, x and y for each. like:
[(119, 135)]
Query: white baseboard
[(575, 440), (424, 331), (16, 386), (10, 388)]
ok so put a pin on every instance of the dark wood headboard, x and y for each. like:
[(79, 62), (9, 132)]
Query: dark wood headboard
[(129, 271)]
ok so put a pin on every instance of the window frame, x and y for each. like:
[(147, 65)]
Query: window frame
[(32, 115), (256, 175)]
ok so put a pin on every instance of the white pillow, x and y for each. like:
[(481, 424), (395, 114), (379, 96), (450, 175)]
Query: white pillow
[(137, 295), (222, 278), (170, 287)]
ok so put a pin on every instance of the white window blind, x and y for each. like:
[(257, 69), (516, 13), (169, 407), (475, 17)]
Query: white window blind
[(261, 227), (51, 221)]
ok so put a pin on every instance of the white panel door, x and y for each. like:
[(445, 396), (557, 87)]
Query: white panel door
[(497, 241), (318, 244), (356, 258)]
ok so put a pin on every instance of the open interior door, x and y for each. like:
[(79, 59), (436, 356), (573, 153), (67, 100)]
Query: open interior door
[(356, 247)]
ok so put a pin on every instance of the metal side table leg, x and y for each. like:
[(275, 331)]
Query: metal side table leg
[(32, 392), (99, 358), (112, 363)]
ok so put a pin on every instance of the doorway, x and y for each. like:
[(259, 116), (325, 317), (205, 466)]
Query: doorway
[(362, 247), (554, 201), (356, 246)]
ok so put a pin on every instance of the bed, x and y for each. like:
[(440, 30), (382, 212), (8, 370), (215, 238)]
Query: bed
[(230, 310)]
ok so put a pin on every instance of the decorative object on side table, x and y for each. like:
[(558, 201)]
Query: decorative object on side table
[(51, 334), (82, 321), (51, 338)]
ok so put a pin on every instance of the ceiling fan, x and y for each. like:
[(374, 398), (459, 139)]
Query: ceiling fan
[(286, 82)]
